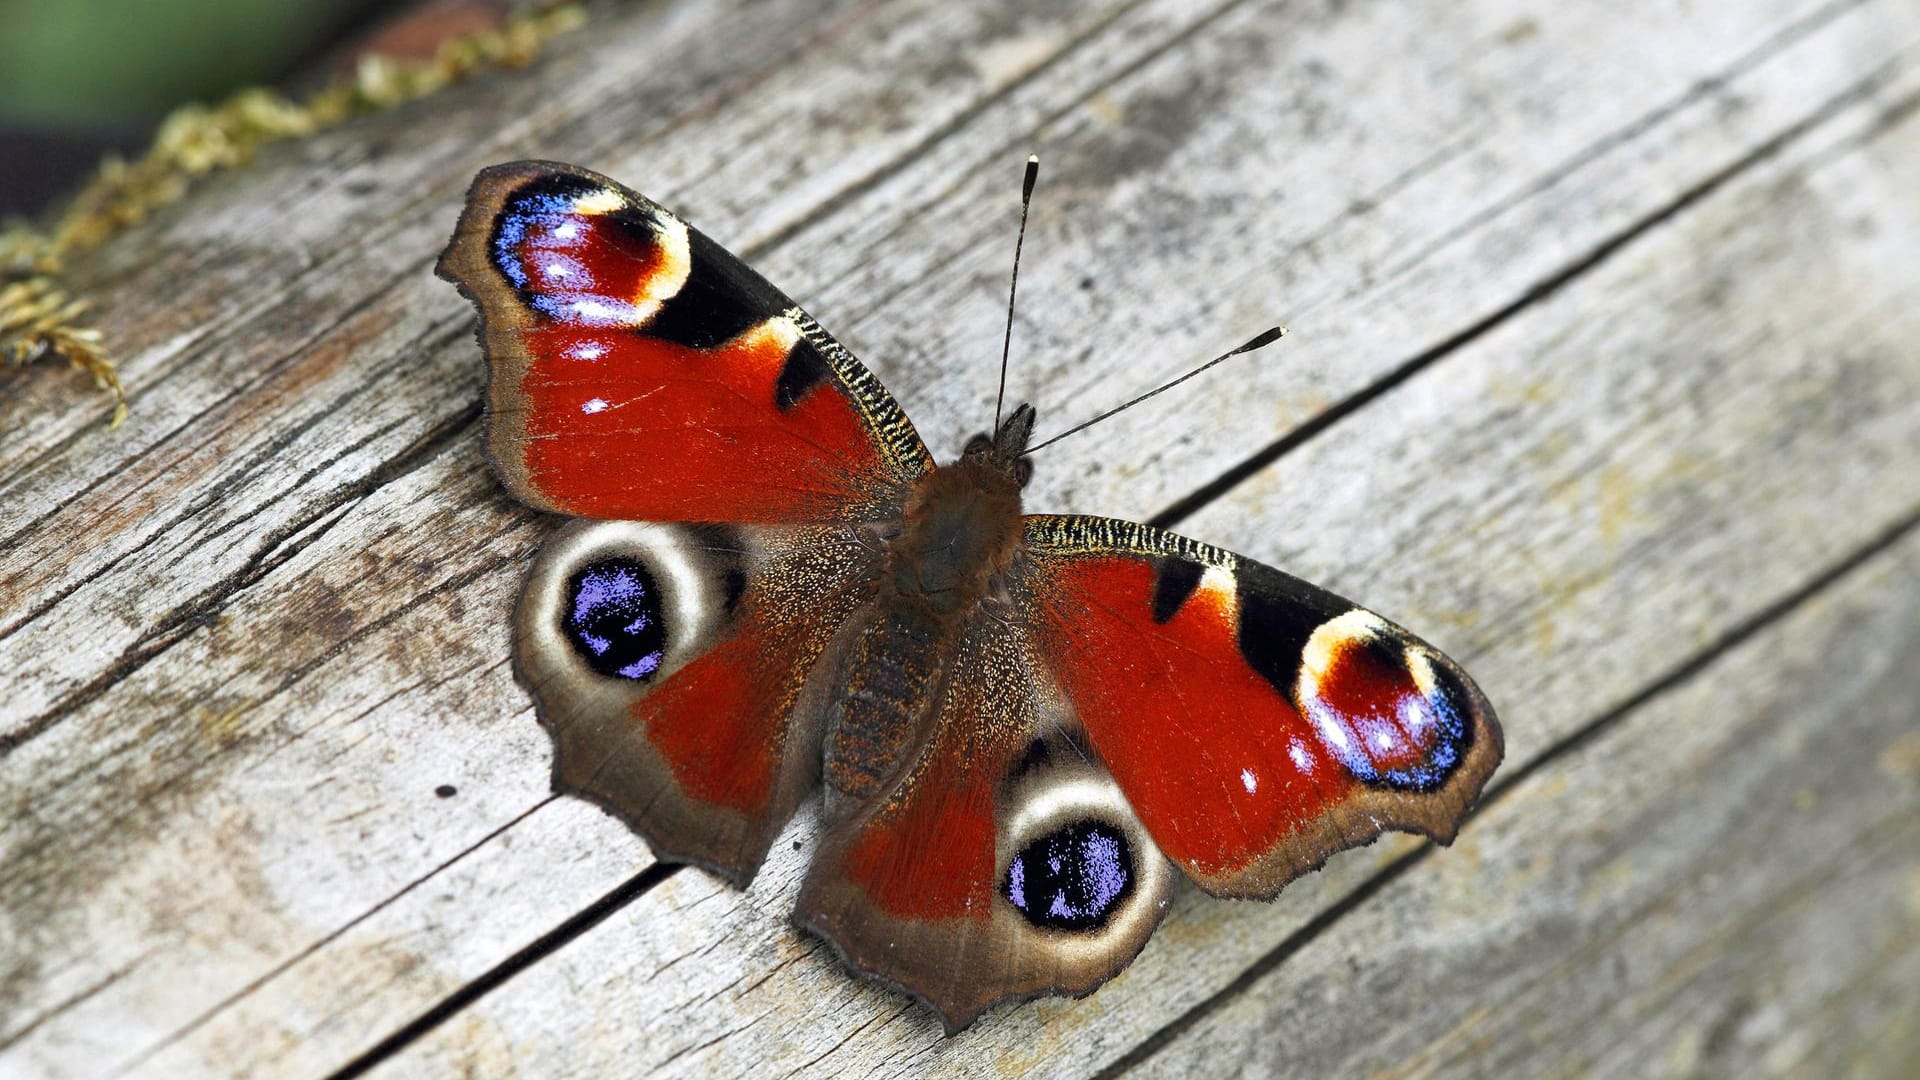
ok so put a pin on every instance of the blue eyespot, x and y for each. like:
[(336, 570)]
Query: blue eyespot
[(1412, 741), (1072, 878), (537, 208), (613, 618)]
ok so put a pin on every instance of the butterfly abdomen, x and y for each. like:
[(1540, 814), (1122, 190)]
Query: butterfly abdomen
[(959, 534), (891, 674)]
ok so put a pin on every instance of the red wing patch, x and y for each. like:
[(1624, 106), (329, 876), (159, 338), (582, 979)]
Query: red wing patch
[(929, 854), (639, 371), (1256, 723), (710, 722), (646, 429)]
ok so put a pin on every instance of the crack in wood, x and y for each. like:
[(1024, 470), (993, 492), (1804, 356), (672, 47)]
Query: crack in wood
[(586, 919), (205, 607), (1011, 148), (867, 182), (192, 423), (1596, 151), (878, 1019), (28, 1028), (284, 966)]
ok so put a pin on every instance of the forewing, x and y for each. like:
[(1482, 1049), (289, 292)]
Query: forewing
[(640, 371), (1001, 863), (681, 671), (1257, 723)]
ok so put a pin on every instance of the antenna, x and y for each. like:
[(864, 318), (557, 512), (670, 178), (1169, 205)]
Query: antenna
[(1260, 341), (1013, 287)]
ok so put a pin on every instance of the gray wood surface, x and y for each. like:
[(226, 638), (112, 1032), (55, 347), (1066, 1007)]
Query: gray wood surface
[(1603, 377)]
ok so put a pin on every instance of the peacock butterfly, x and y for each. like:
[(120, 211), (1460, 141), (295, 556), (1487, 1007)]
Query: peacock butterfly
[(1024, 724)]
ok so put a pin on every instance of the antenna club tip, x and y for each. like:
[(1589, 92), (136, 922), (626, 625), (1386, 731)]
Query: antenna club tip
[(1264, 339), (1033, 174)]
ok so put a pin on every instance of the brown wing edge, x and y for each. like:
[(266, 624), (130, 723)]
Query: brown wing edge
[(503, 316)]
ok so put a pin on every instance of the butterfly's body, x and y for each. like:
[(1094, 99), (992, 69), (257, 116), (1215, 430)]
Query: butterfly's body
[(942, 565), (1024, 724)]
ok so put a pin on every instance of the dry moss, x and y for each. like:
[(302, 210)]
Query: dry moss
[(40, 319)]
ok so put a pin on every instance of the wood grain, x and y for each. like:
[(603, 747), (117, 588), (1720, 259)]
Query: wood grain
[(1602, 359)]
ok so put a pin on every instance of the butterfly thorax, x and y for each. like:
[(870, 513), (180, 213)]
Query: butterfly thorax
[(960, 533), (962, 525)]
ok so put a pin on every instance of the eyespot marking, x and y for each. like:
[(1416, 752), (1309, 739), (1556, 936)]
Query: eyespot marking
[(1073, 878), (613, 618), (1384, 709), (581, 255)]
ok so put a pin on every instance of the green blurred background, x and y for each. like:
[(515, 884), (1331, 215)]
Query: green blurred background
[(79, 78)]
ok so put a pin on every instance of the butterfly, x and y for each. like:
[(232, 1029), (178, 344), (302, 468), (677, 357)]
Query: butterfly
[(1026, 726)]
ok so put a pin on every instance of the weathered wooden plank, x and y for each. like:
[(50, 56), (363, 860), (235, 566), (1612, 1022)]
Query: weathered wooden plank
[(356, 660), (422, 920), (1583, 547)]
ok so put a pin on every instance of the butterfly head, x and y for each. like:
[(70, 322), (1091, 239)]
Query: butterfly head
[(1006, 448)]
